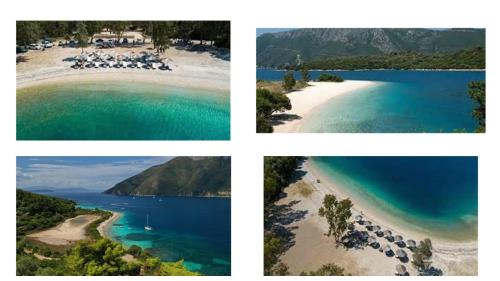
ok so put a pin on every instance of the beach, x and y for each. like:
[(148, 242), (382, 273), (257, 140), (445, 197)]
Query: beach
[(312, 248), (197, 70), (66, 233), (305, 100), (106, 225)]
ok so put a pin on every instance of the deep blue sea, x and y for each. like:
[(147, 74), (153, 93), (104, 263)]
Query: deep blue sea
[(435, 193), (197, 230), (402, 102)]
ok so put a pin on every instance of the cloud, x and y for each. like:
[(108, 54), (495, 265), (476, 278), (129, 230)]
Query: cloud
[(93, 176)]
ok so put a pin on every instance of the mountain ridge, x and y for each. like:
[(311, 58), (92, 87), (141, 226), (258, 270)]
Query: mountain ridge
[(181, 176), (280, 48)]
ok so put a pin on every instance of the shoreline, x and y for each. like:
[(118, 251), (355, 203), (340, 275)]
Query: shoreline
[(382, 69), (304, 101), (192, 70), (105, 227), (377, 216), (312, 249)]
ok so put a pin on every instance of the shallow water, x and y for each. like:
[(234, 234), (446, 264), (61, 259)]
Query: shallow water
[(438, 194), (403, 101), (197, 230), (121, 111)]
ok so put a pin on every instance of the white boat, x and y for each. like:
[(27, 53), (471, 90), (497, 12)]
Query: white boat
[(147, 227)]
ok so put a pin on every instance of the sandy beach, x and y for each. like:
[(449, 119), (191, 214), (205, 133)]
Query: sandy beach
[(313, 249), (104, 227), (66, 233), (305, 100), (198, 70)]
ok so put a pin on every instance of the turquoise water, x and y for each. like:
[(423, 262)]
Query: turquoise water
[(402, 102), (439, 194), (121, 111), (197, 230)]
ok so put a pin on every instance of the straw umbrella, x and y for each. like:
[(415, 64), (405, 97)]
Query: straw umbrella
[(358, 218), (411, 243), (401, 270), (376, 228), (398, 238), (387, 248), (368, 223), (400, 254), (372, 240), (387, 233)]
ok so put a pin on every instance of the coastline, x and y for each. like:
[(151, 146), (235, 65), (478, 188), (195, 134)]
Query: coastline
[(304, 101), (105, 227), (189, 69), (312, 248)]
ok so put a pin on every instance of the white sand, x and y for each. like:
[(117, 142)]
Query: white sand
[(189, 69), (67, 232), (103, 228), (313, 249), (305, 100)]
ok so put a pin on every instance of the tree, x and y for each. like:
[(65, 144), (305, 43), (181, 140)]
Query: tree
[(422, 255), (337, 214), (288, 81), (269, 102), (26, 265), (477, 92), (273, 248), (304, 72), (327, 77), (263, 125), (330, 269), (93, 27), (118, 28), (27, 32), (162, 32), (82, 35)]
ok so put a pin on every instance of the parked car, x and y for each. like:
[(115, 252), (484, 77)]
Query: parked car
[(47, 44), (139, 41), (99, 40), (125, 41), (72, 43), (35, 47), (20, 49)]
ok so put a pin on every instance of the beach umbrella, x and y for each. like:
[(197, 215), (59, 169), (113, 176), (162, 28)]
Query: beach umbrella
[(388, 233), (372, 240), (400, 269), (368, 223), (376, 228), (358, 218), (398, 238), (400, 254), (387, 248), (411, 243)]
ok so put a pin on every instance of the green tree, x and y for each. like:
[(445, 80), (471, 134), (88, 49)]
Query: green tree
[(82, 35), (422, 255), (337, 214), (27, 32), (330, 269), (288, 81), (93, 27), (477, 92), (304, 72), (327, 77), (26, 265), (118, 28), (273, 248), (175, 269), (162, 33)]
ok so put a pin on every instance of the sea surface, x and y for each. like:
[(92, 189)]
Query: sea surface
[(121, 111), (401, 102), (436, 194), (197, 230)]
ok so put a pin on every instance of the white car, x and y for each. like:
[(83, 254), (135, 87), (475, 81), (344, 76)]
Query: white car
[(47, 44), (35, 47)]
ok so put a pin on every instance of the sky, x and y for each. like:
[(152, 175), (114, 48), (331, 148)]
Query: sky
[(91, 173), (261, 31)]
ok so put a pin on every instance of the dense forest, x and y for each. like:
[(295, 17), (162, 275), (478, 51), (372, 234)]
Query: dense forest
[(94, 256), (35, 211), (161, 32), (463, 59), (278, 172), (477, 92)]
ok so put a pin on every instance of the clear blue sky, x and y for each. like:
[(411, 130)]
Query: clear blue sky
[(93, 173)]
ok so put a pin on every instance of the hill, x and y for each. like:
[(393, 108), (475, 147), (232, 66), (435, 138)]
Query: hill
[(181, 176), (278, 49)]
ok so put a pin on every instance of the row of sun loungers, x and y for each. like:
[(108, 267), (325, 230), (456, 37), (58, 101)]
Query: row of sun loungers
[(98, 60)]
